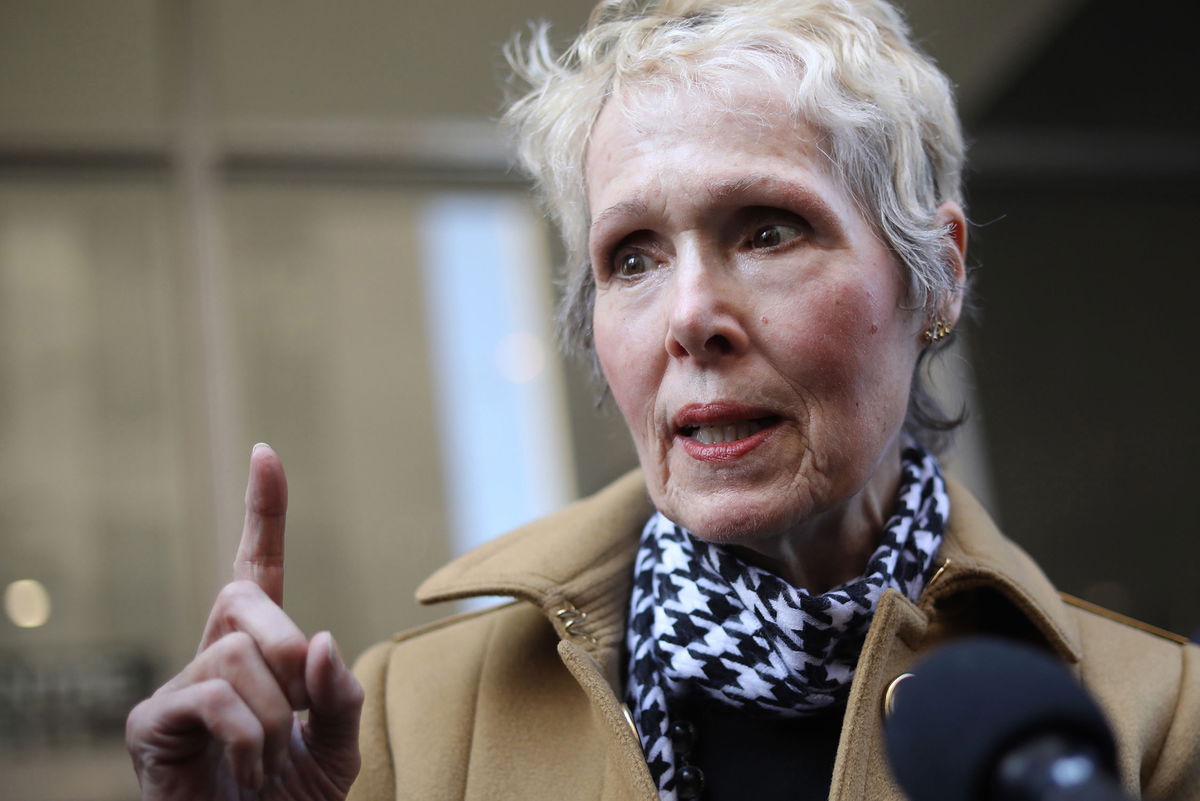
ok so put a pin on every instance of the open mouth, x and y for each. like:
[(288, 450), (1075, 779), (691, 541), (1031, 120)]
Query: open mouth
[(718, 433)]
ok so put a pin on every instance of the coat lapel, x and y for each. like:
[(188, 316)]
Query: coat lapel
[(576, 566)]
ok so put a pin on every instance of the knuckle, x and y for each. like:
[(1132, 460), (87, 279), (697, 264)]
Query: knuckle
[(238, 592), (245, 738), (137, 721), (287, 648), (232, 655), (236, 649), (215, 696)]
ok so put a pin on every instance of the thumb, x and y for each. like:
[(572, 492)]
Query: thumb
[(336, 704)]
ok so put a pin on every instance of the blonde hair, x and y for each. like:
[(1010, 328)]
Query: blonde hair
[(885, 113)]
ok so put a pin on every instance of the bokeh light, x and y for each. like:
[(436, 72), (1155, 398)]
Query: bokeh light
[(27, 603)]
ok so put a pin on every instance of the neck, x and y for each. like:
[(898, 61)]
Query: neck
[(833, 547)]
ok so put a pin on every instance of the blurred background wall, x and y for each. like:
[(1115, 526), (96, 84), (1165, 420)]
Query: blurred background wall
[(224, 222)]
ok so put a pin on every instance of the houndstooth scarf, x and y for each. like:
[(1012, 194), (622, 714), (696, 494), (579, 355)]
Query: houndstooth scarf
[(703, 621)]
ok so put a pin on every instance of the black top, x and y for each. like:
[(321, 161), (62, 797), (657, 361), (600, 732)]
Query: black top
[(744, 756)]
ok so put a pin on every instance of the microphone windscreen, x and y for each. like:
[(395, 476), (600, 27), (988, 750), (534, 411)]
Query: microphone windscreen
[(972, 701)]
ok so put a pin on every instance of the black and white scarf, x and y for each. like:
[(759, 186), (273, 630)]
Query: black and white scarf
[(703, 621)]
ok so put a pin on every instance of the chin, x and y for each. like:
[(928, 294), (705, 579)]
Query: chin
[(737, 520)]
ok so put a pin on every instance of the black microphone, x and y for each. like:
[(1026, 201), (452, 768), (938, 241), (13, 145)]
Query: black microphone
[(984, 719)]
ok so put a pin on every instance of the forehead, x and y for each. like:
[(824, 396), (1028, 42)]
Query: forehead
[(656, 105), (656, 132)]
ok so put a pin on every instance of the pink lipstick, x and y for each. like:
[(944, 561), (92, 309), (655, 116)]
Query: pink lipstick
[(723, 432)]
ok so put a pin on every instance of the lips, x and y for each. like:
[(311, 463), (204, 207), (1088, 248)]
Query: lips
[(723, 431)]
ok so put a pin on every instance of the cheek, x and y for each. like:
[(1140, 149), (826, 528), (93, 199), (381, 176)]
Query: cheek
[(833, 321), (617, 350), (846, 338)]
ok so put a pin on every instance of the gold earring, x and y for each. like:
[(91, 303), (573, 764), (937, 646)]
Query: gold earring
[(939, 330)]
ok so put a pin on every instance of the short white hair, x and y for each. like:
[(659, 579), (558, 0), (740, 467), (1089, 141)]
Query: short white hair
[(884, 112)]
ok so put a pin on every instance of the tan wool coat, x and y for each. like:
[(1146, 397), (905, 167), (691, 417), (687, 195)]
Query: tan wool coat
[(524, 701)]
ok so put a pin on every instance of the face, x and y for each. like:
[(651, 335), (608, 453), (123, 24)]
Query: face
[(751, 326)]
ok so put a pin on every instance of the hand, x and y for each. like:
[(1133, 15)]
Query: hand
[(226, 727)]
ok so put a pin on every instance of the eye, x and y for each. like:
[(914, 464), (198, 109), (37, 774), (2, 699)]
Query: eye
[(771, 236), (631, 265)]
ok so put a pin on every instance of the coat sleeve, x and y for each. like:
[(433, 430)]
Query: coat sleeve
[(418, 720), (377, 780), (1176, 775)]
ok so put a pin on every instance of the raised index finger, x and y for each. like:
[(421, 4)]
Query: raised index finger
[(260, 554)]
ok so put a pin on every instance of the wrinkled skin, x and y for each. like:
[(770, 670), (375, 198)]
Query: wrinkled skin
[(739, 288)]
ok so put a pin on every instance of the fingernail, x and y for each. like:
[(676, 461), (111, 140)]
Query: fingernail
[(258, 446), (335, 656)]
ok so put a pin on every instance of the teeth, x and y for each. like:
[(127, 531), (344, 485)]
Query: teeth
[(731, 432)]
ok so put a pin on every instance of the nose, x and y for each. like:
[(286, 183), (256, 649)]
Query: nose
[(704, 320)]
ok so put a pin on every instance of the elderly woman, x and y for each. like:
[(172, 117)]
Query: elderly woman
[(761, 203)]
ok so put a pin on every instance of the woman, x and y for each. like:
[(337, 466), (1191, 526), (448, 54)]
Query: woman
[(762, 208)]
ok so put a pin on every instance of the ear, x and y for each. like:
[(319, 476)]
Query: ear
[(950, 217)]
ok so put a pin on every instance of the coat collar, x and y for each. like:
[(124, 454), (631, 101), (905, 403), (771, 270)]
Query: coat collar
[(575, 565), (975, 555)]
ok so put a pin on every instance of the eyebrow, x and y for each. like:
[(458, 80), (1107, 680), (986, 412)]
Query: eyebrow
[(813, 204), (635, 208), (726, 189), (797, 193)]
